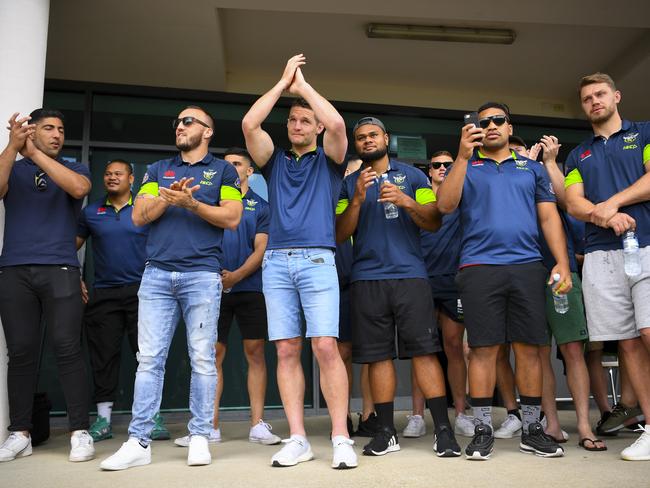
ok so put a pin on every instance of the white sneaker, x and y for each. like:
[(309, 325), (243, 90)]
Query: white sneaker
[(344, 456), (510, 427), (261, 434), (464, 425), (131, 454), (296, 450), (213, 438), (198, 453), (82, 447), (640, 449), (16, 445), (415, 427)]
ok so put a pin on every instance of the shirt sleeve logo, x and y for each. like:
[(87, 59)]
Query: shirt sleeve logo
[(237, 183), (550, 188), (145, 178)]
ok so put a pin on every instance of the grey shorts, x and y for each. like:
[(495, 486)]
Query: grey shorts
[(617, 306)]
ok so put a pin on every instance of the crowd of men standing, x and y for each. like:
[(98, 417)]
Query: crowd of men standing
[(373, 264)]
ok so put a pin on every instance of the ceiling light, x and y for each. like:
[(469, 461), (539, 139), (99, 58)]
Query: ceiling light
[(440, 33)]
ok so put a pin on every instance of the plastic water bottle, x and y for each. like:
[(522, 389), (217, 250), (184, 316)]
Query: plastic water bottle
[(560, 300), (390, 209), (631, 254)]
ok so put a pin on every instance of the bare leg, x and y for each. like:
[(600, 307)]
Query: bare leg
[(505, 378), (367, 403), (291, 383), (416, 394), (637, 368), (345, 350), (254, 351), (549, 405), (578, 382), (482, 371), (528, 369), (334, 382), (452, 336), (598, 380)]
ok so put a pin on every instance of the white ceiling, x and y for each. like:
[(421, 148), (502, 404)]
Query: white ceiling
[(241, 46)]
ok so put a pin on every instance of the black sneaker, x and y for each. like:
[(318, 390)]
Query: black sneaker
[(444, 442), (599, 426), (368, 427), (482, 444), (537, 442), (383, 442)]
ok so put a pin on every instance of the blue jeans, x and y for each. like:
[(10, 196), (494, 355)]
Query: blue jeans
[(295, 278), (165, 297)]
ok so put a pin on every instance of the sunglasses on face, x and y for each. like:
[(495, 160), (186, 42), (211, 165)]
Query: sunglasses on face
[(446, 164), (498, 120), (187, 121), (40, 181)]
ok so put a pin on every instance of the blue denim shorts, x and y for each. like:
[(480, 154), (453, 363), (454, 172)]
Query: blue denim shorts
[(301, 282)]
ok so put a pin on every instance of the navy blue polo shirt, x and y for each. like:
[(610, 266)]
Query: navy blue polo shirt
[(180, 240), (386, 249), (441, 249), (40, 225), (303, 192), (118, 245), (606, 167), (343, 260), (547, 256), (498, 211), (239, 244)]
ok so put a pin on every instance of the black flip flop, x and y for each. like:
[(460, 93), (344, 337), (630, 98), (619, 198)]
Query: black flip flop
[(593, 447)]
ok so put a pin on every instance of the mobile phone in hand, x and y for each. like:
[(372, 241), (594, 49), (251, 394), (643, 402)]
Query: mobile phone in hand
[(471, 118)]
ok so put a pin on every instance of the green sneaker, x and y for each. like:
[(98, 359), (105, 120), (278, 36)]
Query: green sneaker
[(159, 432), (101, 429)]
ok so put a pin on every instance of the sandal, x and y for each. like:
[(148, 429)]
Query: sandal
[(594, 446)]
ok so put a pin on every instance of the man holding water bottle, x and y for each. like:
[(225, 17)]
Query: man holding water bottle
[(608, 186), (383, 206)]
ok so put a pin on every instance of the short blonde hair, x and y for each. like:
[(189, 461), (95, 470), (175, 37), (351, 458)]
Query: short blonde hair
[(596, 78)]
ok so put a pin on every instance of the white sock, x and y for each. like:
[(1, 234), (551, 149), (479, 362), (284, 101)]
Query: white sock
[(104, 409)]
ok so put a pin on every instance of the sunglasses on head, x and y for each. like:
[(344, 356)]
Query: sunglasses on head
[(40, 181), (498, 120), (446, 164), (187, 121)]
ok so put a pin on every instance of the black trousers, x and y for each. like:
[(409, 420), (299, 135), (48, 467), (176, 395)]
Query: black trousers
[(110, 313), (32, 295)]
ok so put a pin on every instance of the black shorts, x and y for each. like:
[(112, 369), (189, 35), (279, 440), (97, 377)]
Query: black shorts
[(504, 304), (249, 308), (380, 308), (345, 322), (446, 297)]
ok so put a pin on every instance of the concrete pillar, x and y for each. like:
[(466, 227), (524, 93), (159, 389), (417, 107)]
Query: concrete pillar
[(23, 46)]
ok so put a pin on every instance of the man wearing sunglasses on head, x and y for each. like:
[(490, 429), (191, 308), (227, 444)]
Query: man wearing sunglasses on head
[(39, 275), (441, 250), (502, 197), (298, 266), (188, 201)]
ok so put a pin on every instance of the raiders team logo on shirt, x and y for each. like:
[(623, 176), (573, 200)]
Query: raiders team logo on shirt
[(399, 178), (630, 138)]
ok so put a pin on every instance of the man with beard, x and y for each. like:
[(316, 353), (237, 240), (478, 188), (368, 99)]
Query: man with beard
[(608, 186), (118, 248), (389, 291), (182, 279), (39, 275), (501, 278), (298, 266)]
